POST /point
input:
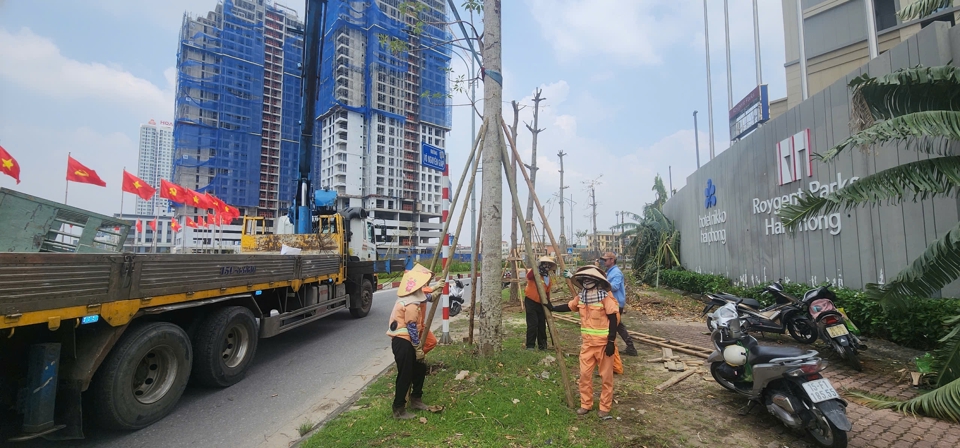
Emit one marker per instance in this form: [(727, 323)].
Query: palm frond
[(936, 267), (947, 357), (926, 132), (924, 179), (904, 91), (922, 8), (943, 402)]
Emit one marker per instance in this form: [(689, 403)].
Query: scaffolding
[(238, 103)]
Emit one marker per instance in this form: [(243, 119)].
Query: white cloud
[(632, 32), (36, 63)]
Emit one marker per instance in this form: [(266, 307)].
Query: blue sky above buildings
[(621, 79)]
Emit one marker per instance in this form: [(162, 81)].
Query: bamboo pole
[(543, 216), (435, 295), (473, 273), (446, 226), (532, 264)]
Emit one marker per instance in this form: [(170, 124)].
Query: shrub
[(919, 325)]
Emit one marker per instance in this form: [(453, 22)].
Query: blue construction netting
[(375, 25), (225, 138)]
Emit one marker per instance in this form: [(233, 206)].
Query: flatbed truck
[(117, 336)]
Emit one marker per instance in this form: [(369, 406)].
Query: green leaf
[(943, 402), (922, 8), (926, 132), (925, 179), (938, 266), (947, 357), (904, 91)]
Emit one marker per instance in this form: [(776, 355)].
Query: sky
[(621, 80)]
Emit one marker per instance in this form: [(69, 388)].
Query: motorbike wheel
[(852, 357), (455, 308), (826, 433), (711, 324), (802, 330), (727, 384)]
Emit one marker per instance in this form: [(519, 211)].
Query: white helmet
[(735, 355)]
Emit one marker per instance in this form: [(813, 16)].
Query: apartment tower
[(155, 163)]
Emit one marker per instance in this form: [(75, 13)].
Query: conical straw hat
[(413, 280), (591, 272)]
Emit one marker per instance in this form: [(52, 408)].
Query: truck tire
[(224, 347), (366, 300), (143, 377)]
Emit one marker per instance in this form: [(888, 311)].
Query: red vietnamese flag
[(153, 225), (175, 225), (212, 221), (198, 200), (173, 192), (76, 172), (200, 222), (136, 185), (139, 226), (190, 223), (215, 202), (9, 165), (229, 212)]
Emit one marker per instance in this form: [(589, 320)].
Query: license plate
[(837, 330), (820, 390)]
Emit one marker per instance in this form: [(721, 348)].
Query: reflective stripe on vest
[(595, 332)]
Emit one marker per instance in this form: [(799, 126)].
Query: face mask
[(588, 284)]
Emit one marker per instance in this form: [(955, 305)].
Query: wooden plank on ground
[(675, 379)]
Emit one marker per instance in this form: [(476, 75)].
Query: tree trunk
[(490, 339), (514, 286)]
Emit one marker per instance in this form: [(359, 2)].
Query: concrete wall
[(850, 248)]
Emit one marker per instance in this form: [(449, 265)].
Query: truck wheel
[(366, 300), (143, 377), (224, 346)]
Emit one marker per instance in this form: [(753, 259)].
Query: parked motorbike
[(456, 297), (833, 326), (785, 316), (786, 380)]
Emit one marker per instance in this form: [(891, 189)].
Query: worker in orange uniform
[(406, 327), (536, 318), (598, 330)]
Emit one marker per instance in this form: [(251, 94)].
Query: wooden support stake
[(541, 289), (676, 379), (473, 272)]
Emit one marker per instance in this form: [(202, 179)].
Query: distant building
[(835, 36), (602, 241), (380, 110), (186, 240), (155, 163), (238, 106)]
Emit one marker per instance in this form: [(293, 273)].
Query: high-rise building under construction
[(383, 96)]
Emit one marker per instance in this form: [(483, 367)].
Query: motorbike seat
[(752, 303), (760, 354)]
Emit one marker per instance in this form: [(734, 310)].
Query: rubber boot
[(400, 413), (417, 403), (631, 350)]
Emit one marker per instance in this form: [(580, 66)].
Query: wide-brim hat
[(590, 272), (547, 259), (413, 280)]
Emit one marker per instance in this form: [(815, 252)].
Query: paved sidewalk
[(871, 428)]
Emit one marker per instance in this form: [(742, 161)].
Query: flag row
[(77, 172), (212, 220)]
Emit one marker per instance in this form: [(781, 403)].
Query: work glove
[(420, 354), (610, 348), (567, 273), (414, 334)]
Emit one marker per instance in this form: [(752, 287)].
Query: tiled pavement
[(871, 428)]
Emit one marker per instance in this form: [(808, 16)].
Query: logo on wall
[(710, 194), (793, 155)]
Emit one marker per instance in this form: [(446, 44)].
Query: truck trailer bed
[(77, 285)]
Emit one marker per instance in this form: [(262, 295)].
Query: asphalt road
[(299, 376)]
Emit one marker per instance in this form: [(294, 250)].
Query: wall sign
[(709, 234), (433, 157)]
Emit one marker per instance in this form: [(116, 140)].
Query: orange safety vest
[(531, 289), (403, 313), (594, 323)]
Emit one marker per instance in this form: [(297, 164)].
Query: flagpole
[(121, 197), (67, 186)]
